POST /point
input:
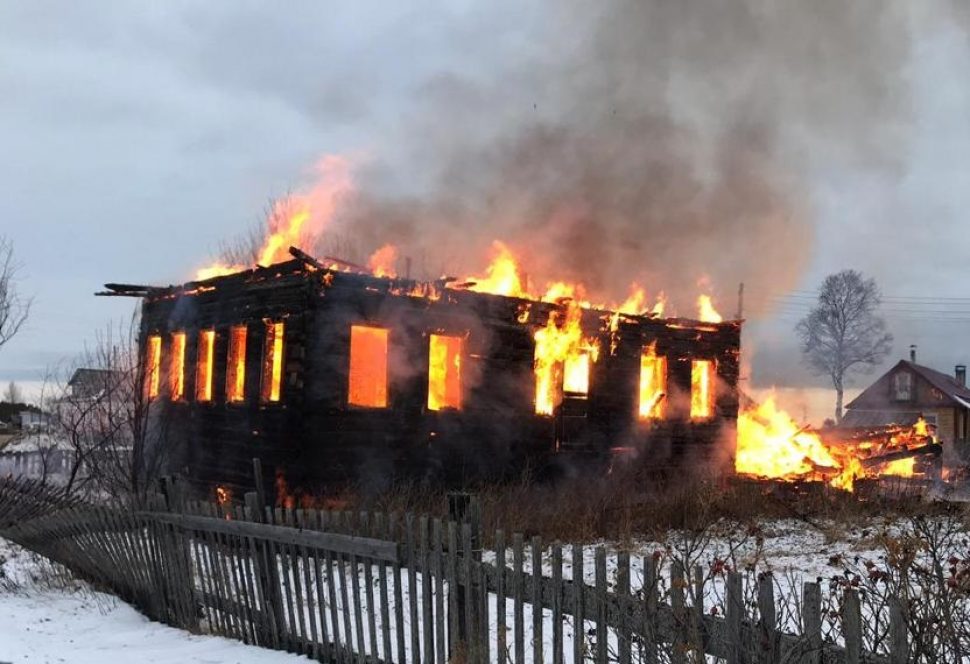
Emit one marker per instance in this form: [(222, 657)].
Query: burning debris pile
[(771, 445)]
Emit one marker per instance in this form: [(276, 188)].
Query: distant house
[(32, 420), (909, 390), (90, 383)]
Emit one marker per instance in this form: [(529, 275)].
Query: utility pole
[(740, 301)]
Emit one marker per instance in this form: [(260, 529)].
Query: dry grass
[(623, 507)]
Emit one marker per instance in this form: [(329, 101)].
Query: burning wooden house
[(332, 376)]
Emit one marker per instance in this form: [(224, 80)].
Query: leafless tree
[(14, 307), (12, 394), (843, 334), (101, 413)]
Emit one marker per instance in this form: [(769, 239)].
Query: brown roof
[(945, 383)]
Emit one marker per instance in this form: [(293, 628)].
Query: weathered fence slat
[(734, 611), (650, 601), (623, 591), (537, 614), (579, 623), (413, 613), (677, 604), (852, 627), (398, 595), (380, 525), (767, 620), (427, 599), (811, 623), (557, 641), (602, 630), (518, 615), (441, 637)]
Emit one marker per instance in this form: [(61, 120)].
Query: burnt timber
[(317, 440)]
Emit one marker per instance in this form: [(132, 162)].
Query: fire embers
[(771, 445)]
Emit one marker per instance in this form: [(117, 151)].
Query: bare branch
[(14, 308), (843, 333)]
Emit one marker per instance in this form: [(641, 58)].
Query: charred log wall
[(317, 439)]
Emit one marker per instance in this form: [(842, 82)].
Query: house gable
[(907, 387)]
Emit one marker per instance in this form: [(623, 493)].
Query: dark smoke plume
[(650, 140)]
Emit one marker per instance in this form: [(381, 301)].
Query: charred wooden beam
[(934, 449)]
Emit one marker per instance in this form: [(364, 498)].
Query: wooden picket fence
[(361, 587)]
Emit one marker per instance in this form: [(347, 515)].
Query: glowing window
[(575, 373), (653, 385), (444, 372), (701, 389), (236, 365), (272, 362), (203, 365), (176, 367), (153, 364), (368, 367)]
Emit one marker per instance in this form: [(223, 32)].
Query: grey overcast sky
[(135, 137)]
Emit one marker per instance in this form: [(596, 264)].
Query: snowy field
[(46, 617)]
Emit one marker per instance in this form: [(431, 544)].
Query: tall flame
[(297, 220), (706, 311), (563, 356), (382, 261), (502, 276)]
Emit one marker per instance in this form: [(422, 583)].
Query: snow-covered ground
[(47, 617)]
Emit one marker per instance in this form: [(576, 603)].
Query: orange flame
[(706, 311), (444, 372), (297, 220), (771, 445), (563, 354), (382, 261), (502, 276), (653, 383), (701, 389)]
